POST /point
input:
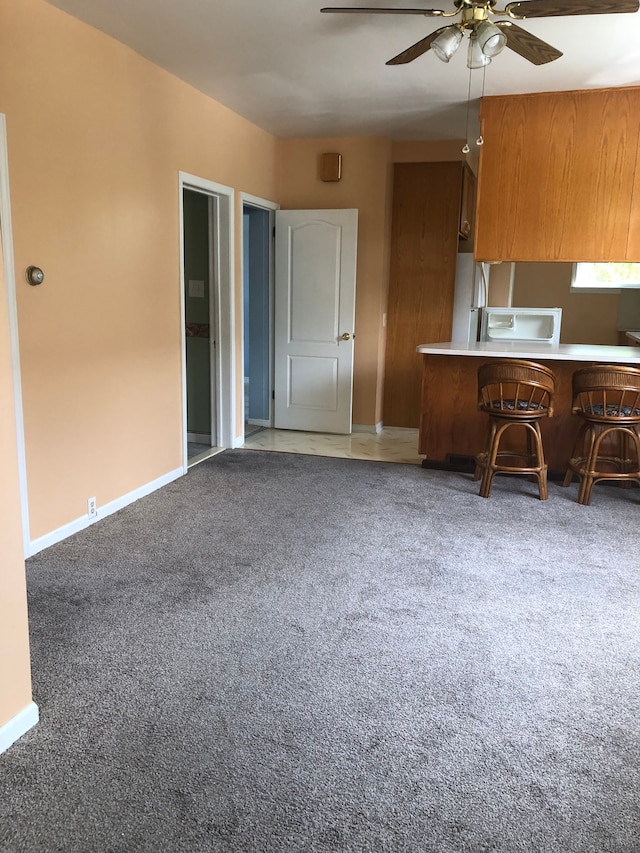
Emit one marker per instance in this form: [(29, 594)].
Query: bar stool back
[(514, 393), (607, 398)]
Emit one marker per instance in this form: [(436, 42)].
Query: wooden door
[(424, 246)]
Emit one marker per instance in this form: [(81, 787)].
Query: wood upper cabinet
[(426, 219), (559, 177)]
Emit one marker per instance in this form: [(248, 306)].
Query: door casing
[(6, 235)]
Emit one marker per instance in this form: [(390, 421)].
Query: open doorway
[(200, 308), (257, 280), (206, 217)]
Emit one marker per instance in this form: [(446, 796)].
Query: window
[(600, 278)]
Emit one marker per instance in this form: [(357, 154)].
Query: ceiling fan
[(486, 38)]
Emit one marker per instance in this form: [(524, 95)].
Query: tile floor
[(390, 445)]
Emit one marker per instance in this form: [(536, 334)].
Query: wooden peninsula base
[(452, 429)]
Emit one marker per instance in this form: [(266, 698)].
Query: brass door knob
[(345, 336)]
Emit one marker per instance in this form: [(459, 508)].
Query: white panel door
[(315, 294)]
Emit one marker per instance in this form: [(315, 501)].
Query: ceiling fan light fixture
[(490, 38), (446, 44), (475, 56)]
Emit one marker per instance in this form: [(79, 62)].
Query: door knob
[(345, 336)]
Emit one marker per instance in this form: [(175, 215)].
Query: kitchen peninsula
[(451, 426)]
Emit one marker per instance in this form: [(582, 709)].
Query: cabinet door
[(424, 246), (557, 178)]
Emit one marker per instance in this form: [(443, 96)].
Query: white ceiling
[(295, 72)]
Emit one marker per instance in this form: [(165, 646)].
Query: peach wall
[(15, 677), (365, 184), (96, 137), (587, 318)]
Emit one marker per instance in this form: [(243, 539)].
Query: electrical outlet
[(92, 509)]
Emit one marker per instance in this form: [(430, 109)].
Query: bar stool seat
[(607, 447), (514, 393)]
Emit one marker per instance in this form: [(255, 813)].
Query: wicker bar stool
[(514, 393), (607, 398)]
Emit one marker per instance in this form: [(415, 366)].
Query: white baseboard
[(259, 422), (67, 530), (18, 725), (199, 437), (374, 429)]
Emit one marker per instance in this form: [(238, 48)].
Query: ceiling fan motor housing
[(473, 14)]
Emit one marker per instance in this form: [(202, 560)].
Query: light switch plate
[(196, 289)]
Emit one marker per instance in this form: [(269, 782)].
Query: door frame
[(222, 290), (271, 207), (6, 235), (213, 219)]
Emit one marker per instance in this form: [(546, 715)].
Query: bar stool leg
[(577, 453), (490, 462), (626, 462), (532, 456), (588, 473), (483, 456), (543, 488)]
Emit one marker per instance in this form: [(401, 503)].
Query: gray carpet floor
[(293, 653)]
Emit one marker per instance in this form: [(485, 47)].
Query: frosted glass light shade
[(446, 44), (490, 38), (475, 57)]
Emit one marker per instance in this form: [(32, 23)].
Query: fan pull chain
[(480, 139), (465, 147)]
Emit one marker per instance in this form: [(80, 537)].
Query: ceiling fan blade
[(527, 45), (559, 8), (378, 11), (415, 50)]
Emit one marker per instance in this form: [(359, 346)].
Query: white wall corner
[(18, 725)]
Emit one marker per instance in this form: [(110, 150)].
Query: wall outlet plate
[(92, 508)]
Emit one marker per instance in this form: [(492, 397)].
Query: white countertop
[(533, 351)]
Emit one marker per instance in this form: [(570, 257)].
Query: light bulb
[(446, 44), (480, 140), (490, 38), (475, 57), (465, 148)]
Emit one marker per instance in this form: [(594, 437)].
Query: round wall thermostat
[(35, 275)]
